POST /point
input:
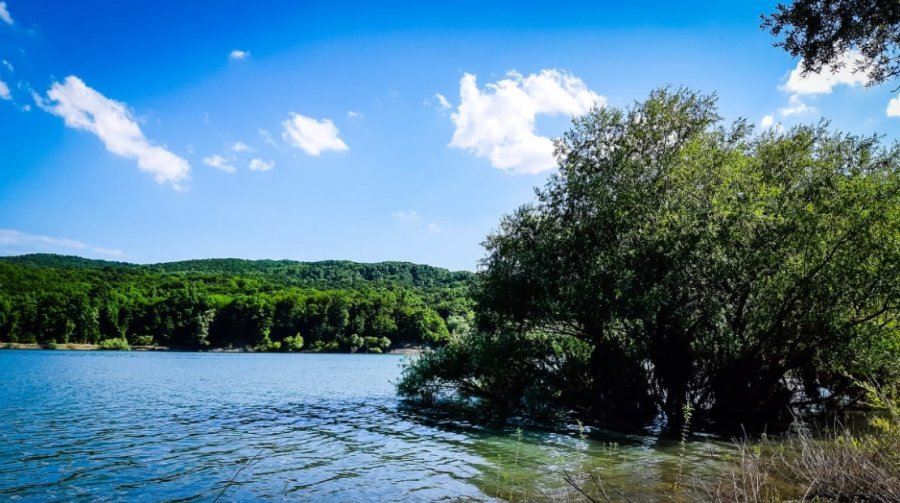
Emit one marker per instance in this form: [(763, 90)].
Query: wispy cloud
[(406, 216), (261, 165), (4, 14), (220, 163), (238, 54), (442, 101), (353, 114), (411, 217), (267, 137), (240, 146), (84, 108), (310, 135), (4, 91), (498, 123), (33, 242)]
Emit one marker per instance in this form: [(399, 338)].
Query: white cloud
[(310, 135), (796, 106), (84, 108), (238, 54), (261, 165), (824, 81), (4, 13), (353, 114), (442, 101), (240, 146), (499, 123), (433, 227), (407, 216), (11, 237), (219, 163), (893, 108), (768, 122), (8, 65), (267, 137), (4, 91)]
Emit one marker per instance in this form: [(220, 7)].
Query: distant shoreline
[(406, 351), (80, 347)]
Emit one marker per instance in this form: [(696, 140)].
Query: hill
[(323, 274), (263, 304)]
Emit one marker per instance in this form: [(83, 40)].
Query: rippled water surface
[(106, 426)]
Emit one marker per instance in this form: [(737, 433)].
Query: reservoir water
[(157, 426)]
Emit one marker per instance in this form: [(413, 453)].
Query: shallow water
[(108, 426)]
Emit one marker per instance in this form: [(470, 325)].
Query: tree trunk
[(619, 388)]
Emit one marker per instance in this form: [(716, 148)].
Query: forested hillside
[(271, 305)]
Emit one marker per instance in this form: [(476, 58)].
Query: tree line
[(48, 299)]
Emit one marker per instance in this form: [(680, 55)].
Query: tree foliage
[(228, 303), (704, 265), (821, 32)]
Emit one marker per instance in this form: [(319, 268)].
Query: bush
[(325, 347), (292, 343), (143, 340), (117, 344), (376, 344), (535, 372), (51, 344)]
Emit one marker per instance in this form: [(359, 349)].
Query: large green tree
[(705, 265)]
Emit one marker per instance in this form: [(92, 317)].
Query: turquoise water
[(141, 426)]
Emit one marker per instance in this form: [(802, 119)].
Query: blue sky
[(161, 131)]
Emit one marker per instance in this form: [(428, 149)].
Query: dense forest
[(230, 303)]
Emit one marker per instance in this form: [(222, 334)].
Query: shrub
[(117, 344), (325, 347), (376, 344), (292, 343), (143, 340), (534, 372)]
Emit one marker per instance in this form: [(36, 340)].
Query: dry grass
[(837, 464), (802, 466)]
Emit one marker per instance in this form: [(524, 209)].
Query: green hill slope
[(332, 305)]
